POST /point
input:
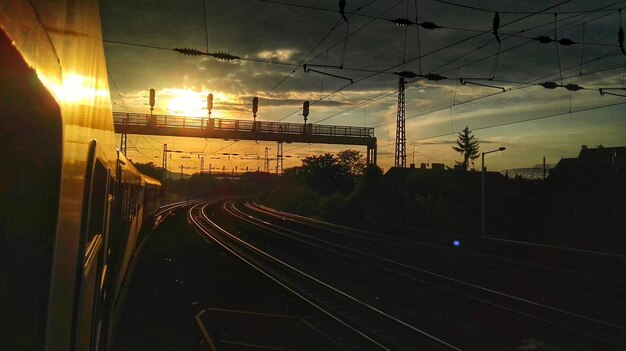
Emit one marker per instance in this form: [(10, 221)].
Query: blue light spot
[(456, 243)]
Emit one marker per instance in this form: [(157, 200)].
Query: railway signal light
[(152, 99), (209, 103), (305, 110), (255, 106)]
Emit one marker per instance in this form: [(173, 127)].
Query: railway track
[(376, 329), (513, 265), (606, 334)]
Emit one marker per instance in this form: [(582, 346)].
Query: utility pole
[(123, 138), (400, 155), (483, 170), (164, 165), (267, 160), (279, 158), (201, 157)]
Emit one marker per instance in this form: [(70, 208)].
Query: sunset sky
[(275, 36)]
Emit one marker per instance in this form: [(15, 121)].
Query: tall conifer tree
[(467, 146)]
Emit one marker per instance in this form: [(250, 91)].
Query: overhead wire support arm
[(307, 70), (465, 81), (603, 91), (307, 65)]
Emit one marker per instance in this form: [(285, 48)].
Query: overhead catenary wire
[(206, 26), (332, 46), (194, 52), (522, 85), (508, 12), (530, 40), (118, 91), (358, 105), (335, 26), (516, 122), (558, 58), (419, 54), (428, 54)]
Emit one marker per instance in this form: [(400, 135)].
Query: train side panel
[(55, 103)]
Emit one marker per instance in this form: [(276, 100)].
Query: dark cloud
[(375, 49)]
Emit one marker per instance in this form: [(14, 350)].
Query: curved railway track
[(587, 331), (378, 329), (566, 276)]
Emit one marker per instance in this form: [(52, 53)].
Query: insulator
[(549, 85), (573, 87), (189, 52), (543, 39), (342, 10), (225, 56), (620, 39), (404, 22), (429, 25), (566, 41), (433, 76), (406, 74), (496, 26)]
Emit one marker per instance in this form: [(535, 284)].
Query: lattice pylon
[(279, 158), (400, 155), (164, 165)]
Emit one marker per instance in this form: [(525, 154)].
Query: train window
[(98, 201)]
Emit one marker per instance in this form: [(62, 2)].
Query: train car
[(71, 206)]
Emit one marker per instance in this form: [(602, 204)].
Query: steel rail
[(372, 257), (308, 299), (417, 244)]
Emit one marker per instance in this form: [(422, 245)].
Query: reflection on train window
[(98, 200)]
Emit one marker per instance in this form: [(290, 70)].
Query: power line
[(426, 54), (513, 12), (193, 52), (322, 40), (522, 85), (532, 119), (118, 91), (490, 41), (360, 104), (206, 26), (516, 122), (136, 149)]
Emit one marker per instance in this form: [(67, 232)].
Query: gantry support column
[(372, 151), (400, 155)]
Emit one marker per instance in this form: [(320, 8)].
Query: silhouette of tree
[(328, 173), (353, 161), (151, 170), (467, 146)]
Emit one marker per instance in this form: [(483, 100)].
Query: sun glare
[(182, 102), (187, 103)]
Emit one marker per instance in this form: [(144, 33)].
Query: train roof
[(149, 181)]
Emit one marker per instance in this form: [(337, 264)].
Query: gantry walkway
[(146, 124)]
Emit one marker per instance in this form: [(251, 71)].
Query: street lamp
[(482, 188)]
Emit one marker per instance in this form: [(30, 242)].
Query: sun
[(187, 103), (184, 102)]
